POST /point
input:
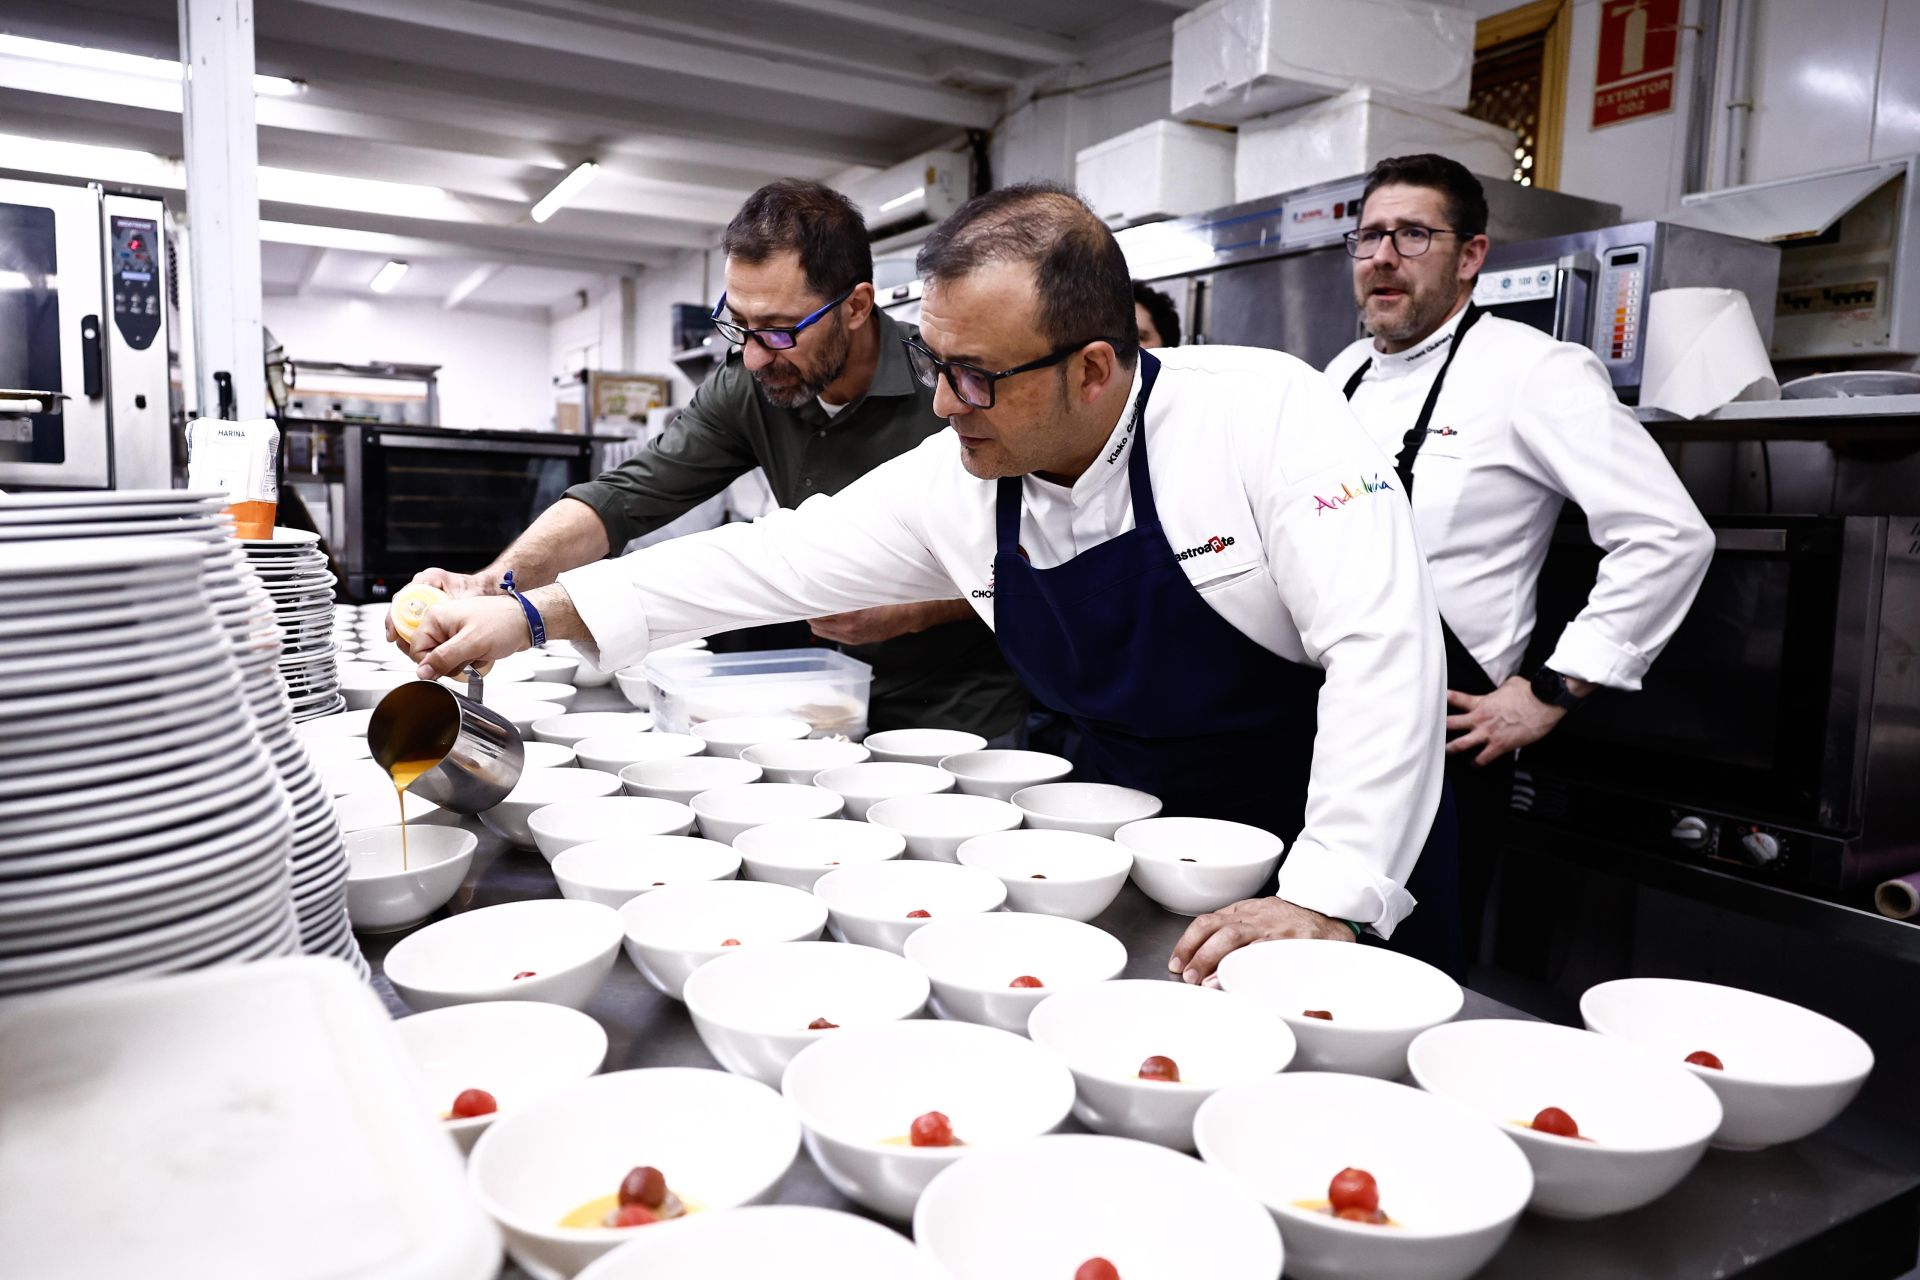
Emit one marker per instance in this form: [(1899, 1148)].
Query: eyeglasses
[(777, 338), (1408, 242), (973, 384)]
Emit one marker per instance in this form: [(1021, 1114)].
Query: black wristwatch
[(1551, 688)]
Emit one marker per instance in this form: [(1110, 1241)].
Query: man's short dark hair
[(1466, 198), (1160, 310), (1085, 290), (815, 221)]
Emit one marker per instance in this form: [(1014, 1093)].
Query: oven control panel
[(135, 275), (1622, 307)]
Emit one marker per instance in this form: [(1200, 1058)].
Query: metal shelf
[(1865, 418)]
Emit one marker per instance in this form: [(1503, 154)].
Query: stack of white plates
[(245, 613), (143, 828), (293, 570)]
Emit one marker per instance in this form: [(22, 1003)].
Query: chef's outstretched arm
[(1341, 551), (831, 555)]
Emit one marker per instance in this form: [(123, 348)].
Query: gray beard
[(809, 389)]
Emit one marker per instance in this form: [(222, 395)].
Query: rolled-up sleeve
[(856, 549), (702, 451), (1341, 551), (1587, 445)]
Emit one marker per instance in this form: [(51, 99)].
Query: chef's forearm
[(567, 535), (557, 614)]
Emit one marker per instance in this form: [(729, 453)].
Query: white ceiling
[(687, 104)]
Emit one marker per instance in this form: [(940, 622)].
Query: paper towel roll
[(1703, 351)]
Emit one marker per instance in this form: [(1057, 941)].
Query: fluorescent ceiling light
[(98, 164), (133, 64), (388, 276), (908, 198), (567, 188), (14, 281), (367, 195)]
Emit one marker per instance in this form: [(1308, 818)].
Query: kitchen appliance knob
[(1691, 831), (1761, 848)]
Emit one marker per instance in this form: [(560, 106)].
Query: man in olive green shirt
[(817, 392)]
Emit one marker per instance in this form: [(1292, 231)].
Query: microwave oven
[(87, 296)]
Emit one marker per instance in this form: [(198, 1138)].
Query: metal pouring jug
[(480, 752)]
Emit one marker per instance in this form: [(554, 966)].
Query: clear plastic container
[(824, 687)]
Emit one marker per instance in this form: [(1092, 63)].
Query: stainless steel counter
[(1814, 1209)]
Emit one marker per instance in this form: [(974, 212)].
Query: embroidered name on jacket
[(1208, 547), (1333, 502)]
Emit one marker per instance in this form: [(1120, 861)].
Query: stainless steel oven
[(85, 393), (1779, 733)]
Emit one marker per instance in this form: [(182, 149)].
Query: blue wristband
[(536, 628)]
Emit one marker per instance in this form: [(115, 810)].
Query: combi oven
[(1778, 735), (85, 296)]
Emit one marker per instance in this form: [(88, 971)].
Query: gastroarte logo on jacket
[(1217, 543), (1335, 501)]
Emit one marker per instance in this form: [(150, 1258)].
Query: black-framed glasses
[(970, 382), (1408, 242), (777, 337)]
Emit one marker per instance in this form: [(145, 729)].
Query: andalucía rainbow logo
[(1347, 494)]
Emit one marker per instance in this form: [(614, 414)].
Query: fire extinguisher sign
[(1639, 53)]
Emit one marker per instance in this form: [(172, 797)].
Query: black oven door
[(433, 498), (1747, 712)]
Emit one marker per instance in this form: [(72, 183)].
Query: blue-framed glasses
[(777, 338)]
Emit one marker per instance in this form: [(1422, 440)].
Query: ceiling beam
[(309, 269), (914, 19), (913, 101), (308, 232), (473, 280)]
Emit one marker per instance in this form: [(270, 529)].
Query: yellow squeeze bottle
[(409, 609)]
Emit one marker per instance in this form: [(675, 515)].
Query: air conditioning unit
[(924, 189)]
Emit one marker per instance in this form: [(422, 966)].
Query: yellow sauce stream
[(404, 773)]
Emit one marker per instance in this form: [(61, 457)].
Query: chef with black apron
[(1200, 559), (1493, 425)]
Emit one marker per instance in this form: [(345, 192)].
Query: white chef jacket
[(1524, 422), (1284, 515)]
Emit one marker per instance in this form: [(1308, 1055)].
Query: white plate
[(147, 772), (29, 725), (205, 820), (132, 811), (165, 657), (102, 652), (150, 911)]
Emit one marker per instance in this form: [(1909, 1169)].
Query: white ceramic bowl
[(683, 778), (547, 755), (726, 812), (1106, 1031), (800, 851), (634, 686), (865, 785), (563, 695), (1000, 773), (1380, 1000), (612, 752), (1055, 873), (341, 724), (974, 959), (586, 676), (365, 809), (721, 1140), (1452, 1182), (1056, 1202), (752, 1005), (731, 735), (937, 825), (1195, 865), (558, 827), (541, 665), (517, 1050), (616, 871), (571, 728), (363, 692), (1787, 1071), (1643, 1123), (537, 789), (525, 716), (567, 948), (1096, 808), (799, 760), (791, 1241), (859, 1089), (383, 896), (344, 777), (336, 750), (673, 931), (921, 746), (870, 903)]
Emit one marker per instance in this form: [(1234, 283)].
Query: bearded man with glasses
[(817, 392)]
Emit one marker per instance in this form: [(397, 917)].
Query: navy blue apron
[(1167, 695)]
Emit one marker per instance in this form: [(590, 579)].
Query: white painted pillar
[(223, 199)]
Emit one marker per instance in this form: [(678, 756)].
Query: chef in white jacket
[(1492, 426), (1201, 559)]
